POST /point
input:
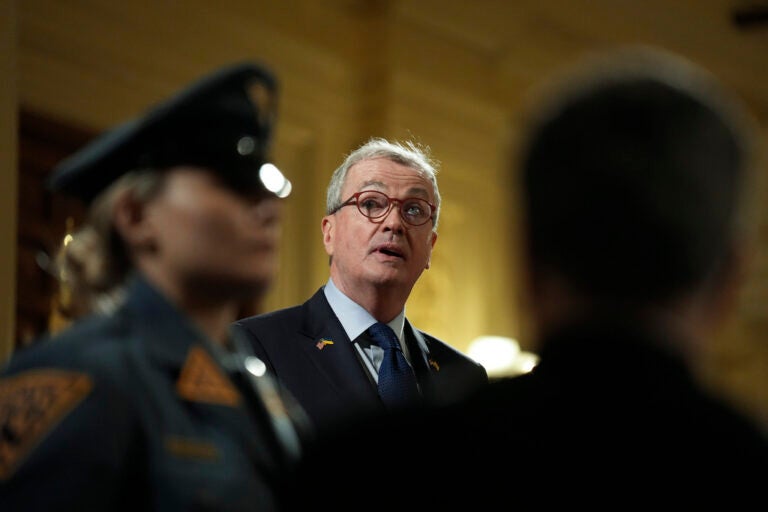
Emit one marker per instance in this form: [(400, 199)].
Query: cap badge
[(246, 145)]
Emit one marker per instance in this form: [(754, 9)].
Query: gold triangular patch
[(31, 405), (202, 380)]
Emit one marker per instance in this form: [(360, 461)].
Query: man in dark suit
[(633, 178), (383, 206)]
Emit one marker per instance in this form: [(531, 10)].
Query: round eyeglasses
[(376, 205)]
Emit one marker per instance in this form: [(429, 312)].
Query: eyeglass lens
[(374, 204)]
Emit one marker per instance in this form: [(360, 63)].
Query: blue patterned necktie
[(397, 382)]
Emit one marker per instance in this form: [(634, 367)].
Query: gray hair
[(408, 153)]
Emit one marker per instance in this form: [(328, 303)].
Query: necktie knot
[(384, 336), (397, 382)]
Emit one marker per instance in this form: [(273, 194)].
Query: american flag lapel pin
[(322, 343)]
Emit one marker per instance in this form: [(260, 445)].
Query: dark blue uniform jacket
[(130, 411)]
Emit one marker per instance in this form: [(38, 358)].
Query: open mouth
[(390, 251)]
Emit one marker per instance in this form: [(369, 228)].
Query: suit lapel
[(427, 363), (330, 351), (423, 363)]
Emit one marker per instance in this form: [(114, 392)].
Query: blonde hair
[(92, 264)]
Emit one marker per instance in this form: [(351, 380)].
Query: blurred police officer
[(150, 403)]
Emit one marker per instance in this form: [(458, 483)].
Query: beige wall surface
[(452, 74)]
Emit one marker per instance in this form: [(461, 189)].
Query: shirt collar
[(353, 317)]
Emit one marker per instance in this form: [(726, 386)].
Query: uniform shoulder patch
[(202, 380), (31, 405)]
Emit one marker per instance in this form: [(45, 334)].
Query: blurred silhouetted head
[(632, 178)]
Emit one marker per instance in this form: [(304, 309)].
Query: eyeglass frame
[(354, 199)]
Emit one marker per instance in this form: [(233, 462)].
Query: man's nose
[(394, 217)]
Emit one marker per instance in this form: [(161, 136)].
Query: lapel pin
[(322, 343), (434, 364)]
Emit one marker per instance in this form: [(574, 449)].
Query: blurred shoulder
[(95, 341), (279, 316), (288, 318)]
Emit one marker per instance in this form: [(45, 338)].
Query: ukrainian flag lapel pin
[(322, 343)]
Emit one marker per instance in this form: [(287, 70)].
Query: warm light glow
[(501, 356), (274, 180), (524, 362)]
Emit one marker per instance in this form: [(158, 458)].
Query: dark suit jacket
[(329, 380), (609, 419)]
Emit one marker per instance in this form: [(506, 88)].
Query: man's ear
[(431, 246), (131, 221), (729, 282), (327, 226)]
